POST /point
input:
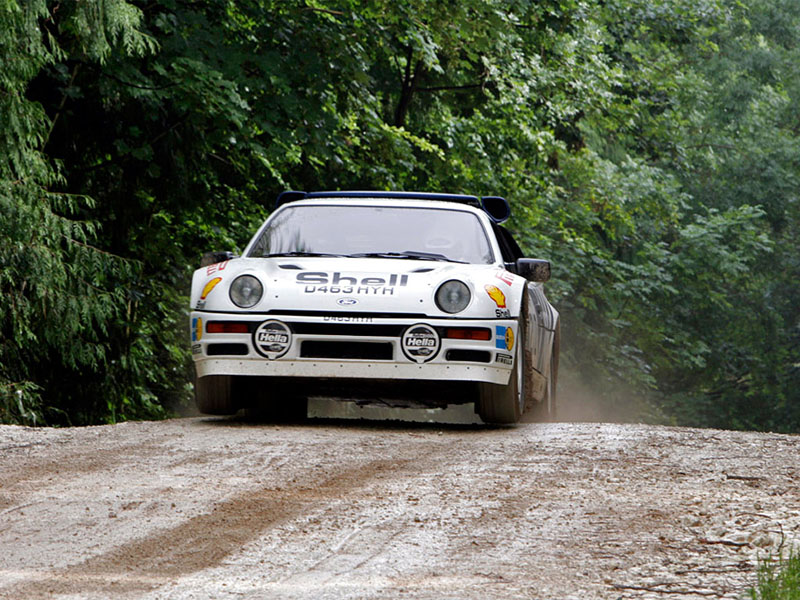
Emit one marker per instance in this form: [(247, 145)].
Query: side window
[(508, 245)]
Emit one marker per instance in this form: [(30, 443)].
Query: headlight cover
[(453, 296), (246, 291)]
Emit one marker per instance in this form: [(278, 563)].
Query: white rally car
[(401, 298)]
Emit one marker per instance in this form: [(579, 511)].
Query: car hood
[(369, 285)]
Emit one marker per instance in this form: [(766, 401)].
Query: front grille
[(227, 349), (479, 356), (347, 350)]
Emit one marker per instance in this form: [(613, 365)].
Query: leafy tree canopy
[(649, 149)]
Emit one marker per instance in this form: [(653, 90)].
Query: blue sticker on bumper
[(500, 340)]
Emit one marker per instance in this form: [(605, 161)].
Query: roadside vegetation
[(649, 149), (779, 581)]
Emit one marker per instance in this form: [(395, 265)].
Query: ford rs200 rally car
[(394, 297)]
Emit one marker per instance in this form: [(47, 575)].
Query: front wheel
[(505, 404)]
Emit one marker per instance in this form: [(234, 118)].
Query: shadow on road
[(327, 412)]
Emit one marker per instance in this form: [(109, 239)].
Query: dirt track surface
[(224, 508)]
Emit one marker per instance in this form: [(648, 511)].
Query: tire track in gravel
[(205, 540), (16, 488), (73, 462)]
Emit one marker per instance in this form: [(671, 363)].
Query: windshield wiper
[(312, 254), (411, 254)]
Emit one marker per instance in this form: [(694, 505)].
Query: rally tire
[(504, 404), (213, 395)]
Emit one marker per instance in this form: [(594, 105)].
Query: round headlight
[(246, 291), (452, 296)]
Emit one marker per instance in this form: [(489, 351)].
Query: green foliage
[(649, 149), (778, 581), (58, 289), (698, 241)]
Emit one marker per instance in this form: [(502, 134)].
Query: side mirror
[(533, 269), (212, 258)]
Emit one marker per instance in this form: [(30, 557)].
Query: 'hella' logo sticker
[(420, 343), (272, 339), (347, 302)]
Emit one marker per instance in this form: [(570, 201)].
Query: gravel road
[(226, 508)]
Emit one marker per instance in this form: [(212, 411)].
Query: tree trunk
[(409, 86)]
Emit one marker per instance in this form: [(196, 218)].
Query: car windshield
[(376, 231)]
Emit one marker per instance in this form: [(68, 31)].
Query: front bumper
[(352, 346)]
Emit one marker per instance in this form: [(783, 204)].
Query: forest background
[(649, 149)]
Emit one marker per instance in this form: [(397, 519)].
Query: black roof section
[(291, 196), (496, 207)]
